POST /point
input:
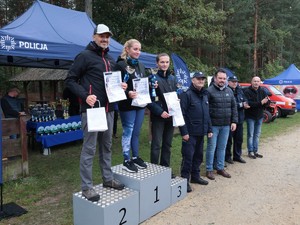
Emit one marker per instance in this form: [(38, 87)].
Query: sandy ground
[(263, 191)]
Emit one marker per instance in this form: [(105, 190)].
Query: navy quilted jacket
[(222, 106)]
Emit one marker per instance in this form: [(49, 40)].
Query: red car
[(286, 106)]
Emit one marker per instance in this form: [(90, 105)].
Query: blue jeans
[(131, 122), (217, 143), (253, 134)]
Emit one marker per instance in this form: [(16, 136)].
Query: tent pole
[(41, 90), (1, 196)]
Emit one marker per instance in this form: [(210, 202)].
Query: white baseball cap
[(101, 29)]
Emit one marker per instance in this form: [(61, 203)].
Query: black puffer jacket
[(86, 73), (139, 72), (254, 100), (222, 106), (195, 110)]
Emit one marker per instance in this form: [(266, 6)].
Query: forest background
[(250, 37)]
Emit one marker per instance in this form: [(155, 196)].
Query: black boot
[(188, 189)]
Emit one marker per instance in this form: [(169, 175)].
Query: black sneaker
[(188, 188), (129, 167), (230, 161), (241, 160), (114, 183), (258, 155), (251, 155), (199, 181), (139, 163), (91, 195)]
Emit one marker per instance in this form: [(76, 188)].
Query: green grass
[(47, 192)]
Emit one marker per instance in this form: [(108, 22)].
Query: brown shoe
[(223, 173), (114, 183), (210, 175)]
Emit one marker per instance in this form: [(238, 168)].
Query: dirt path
[(262, 191)]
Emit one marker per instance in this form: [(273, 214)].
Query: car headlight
[(289, 103)]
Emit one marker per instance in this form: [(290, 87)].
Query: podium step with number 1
[(153, 185)]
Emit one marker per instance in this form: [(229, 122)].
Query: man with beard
[(86, 80), (223, 113)]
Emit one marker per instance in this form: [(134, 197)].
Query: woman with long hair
[(131, 116)]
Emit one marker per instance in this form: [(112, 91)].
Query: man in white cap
[(86, 80)]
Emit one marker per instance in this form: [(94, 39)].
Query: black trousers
[(235, 139), (116, 116), (162, 135), (192, 157)]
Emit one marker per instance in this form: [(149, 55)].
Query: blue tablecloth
[(55, 139)]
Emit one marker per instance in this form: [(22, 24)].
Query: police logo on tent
[(8, 43)]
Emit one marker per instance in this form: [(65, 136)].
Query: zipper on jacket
[(107, 68)]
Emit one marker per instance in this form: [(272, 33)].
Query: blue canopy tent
[(49, 36), (288, 82)]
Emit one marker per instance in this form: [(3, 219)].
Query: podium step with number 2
[(114, 207), (147, 192)]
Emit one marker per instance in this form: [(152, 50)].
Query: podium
[(114, 207), (153, 184), (178, 189), (147, 192)]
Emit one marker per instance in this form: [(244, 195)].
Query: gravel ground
[(262, 191)]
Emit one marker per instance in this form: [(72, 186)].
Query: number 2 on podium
[(124, 214)]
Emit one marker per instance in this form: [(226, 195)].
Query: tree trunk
[(255, 39), (89, 8)]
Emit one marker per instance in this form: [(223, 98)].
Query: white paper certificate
[(113, 86), (174, 108), (141, 86)]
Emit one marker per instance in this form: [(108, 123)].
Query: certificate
[(113, 86), (174, 108), (141, 86)]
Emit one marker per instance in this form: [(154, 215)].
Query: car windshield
[(275, 90)]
